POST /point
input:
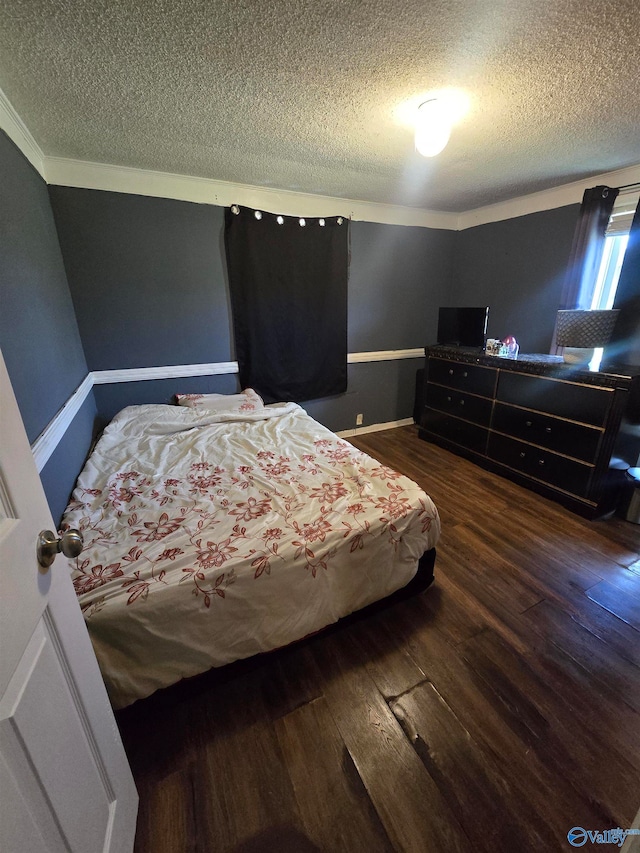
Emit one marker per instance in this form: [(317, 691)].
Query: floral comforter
[(212, 537)]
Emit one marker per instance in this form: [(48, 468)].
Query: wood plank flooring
[(493, 712)]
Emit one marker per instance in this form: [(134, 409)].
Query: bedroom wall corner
[(38, 330)]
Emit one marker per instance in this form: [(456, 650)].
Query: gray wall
[(38, 330), (517, 268), (146, 278), (144, 284), (399, 276), (148, 282)]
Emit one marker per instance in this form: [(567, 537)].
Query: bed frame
[(175, 693)]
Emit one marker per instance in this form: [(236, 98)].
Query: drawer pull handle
[(529, 423), (540, 461), (465, 374), (522, 454), (462, 402), (448, 399), (451, 372), (547, 429)]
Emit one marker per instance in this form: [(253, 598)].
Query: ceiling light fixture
[(433, 127)]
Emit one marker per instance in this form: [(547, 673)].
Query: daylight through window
[(615, 245)]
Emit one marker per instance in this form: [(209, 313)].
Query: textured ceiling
[(308, 96)]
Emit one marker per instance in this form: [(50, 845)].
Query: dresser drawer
[(459, 403), (544, 465), (581, 442), (464, 377), (584, 403), (453, 429)]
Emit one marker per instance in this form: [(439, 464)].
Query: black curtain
[(588, 244), (288, 284)]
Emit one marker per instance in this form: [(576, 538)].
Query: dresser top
[(614, 376)]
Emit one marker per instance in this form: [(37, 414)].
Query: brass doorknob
[(48, 545)]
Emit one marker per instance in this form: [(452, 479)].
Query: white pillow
[(247, 401)]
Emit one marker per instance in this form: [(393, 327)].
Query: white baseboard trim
[(350, 433), (50, 437)]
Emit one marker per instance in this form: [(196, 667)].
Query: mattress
[(211, 536)]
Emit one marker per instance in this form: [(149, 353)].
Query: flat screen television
[(463, 327)]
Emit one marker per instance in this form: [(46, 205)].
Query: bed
[(218, 529)]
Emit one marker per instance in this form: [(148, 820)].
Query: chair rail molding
[(50, 437)]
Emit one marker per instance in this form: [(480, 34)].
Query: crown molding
[(111, 178), (546, 199), (102, 176), (19, 134), (122, 179)]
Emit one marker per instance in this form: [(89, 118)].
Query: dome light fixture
[(433, 127)]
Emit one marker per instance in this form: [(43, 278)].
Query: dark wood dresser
[(563, 431)]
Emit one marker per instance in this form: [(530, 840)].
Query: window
[(607, 279), (615, 245)]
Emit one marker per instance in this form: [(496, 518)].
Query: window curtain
[(288, 286), (624, 347), (588, 244)]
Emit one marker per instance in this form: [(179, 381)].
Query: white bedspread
[(210, 538)]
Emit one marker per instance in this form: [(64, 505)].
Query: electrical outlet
[(359, 420)]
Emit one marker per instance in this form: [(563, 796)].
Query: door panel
[(21, 832), (65, 777)]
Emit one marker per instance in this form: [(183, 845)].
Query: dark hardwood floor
[(493, 712)]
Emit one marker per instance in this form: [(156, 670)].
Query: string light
[(235, 209)]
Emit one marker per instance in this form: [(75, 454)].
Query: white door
[(65, 783)]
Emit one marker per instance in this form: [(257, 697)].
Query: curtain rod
[(630, 187)]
